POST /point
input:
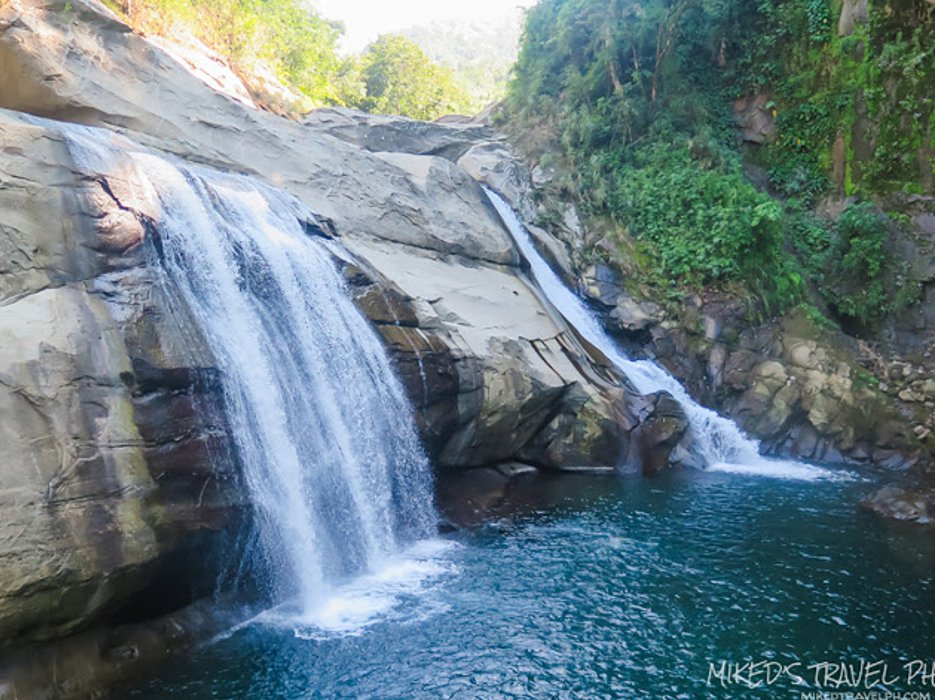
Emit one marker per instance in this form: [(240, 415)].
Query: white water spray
[(722, 443), (324, 432)]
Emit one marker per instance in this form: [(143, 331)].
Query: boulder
[(109, 416), (632, 315), (755, 119), (853, 12), (663, 432), (120, 463)]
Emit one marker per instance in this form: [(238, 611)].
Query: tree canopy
[(638, 94), (398, 78), (393, 75)]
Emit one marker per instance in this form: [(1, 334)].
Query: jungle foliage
[(638, 96), (392, 75), (398, 78)]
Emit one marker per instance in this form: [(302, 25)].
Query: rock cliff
[(118, 472), (118, 475)]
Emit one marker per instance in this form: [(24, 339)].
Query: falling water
[(324, 432), (722, 443)]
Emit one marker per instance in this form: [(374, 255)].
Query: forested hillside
[(635, 105), (480, 54), (289, 39)]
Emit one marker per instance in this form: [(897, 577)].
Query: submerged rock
[(897, 503)]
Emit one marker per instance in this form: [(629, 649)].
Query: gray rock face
[(108, 414), (755, 121), (853, 12), (55, 51), (387, 134), (117, 457), (489, 369)]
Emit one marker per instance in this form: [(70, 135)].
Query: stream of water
[(337, 477), (576, 587), (723, 445)]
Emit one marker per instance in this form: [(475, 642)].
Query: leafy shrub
[(704, 222), (819, 20), (400, 79), (812, 240), (849, 262), (860, 264), (795, 168)]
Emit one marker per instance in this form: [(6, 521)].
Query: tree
[(400, 79), (287, 36)]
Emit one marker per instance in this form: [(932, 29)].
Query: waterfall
[(723, 445), (324, 431)]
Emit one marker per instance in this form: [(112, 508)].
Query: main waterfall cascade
[(722, 443), (339, 481), (340, 485)]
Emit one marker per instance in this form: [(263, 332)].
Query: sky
[(366, 19)]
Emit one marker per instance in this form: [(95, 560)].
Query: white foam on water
[(330, 456), (782, 469), (402, 589), (723, 444)]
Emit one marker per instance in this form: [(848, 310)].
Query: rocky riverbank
[(118, 468)]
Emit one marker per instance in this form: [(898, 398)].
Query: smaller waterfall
[(339, 481), (722, 443)]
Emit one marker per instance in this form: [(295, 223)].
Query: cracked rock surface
[(117, 469)]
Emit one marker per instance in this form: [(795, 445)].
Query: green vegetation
[(400, 79), (637, 95), (479, 54), (860, 262), (295, 42), (868, 88), (848, 262), (392, 76), (706, 223), (633, 94)]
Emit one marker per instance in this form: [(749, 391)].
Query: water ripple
[(611, 590)]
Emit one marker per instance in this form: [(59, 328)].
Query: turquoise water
[(591, 587)]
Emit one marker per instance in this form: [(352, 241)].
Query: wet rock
[(602, 284), (754, 119), (554, 253), (662, 430), (88, 663), (387, 307), (898, 503), (631, 315)]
